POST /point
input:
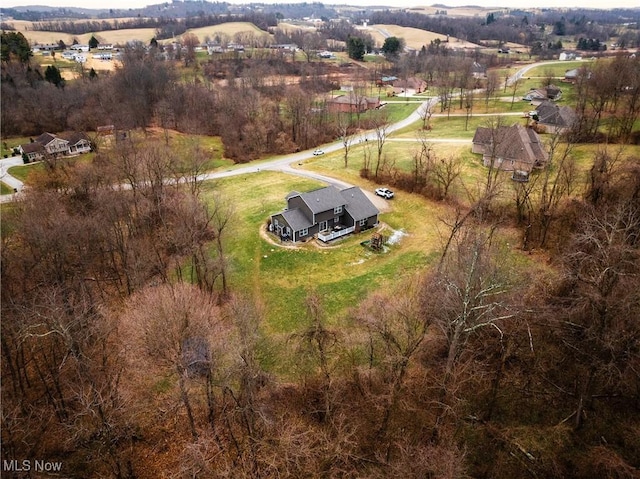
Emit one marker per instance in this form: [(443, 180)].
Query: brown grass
[(229, 29), (415, 37)]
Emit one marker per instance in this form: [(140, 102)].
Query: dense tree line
[(145, 92)]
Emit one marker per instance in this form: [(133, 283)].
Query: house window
[(337, 210), (324, 225), (362, 222), (304, 232)]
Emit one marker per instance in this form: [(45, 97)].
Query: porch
[(337, 231)]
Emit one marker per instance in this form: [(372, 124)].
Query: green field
[(280, 276), (5, 189)]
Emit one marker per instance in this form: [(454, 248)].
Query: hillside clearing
[(416, 38)]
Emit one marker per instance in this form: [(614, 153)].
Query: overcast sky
[(124, 4)]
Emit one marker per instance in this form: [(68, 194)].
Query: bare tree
[(317, 345), (175, 329), (426, 112), (396, 326), (380, 126), (344, 125), (446, 171), (493, 82), (471, 298)]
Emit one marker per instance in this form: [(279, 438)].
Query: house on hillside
[(53, 145), (352, 103), (550, 92), (327, 212), (32, 151), (510, 148), (478, 70), (555, 118), (411, 83), (78, 143), (79, 47)]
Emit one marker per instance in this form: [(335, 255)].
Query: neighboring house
[(32, 151), (80, 48), (214, 48), (550, 92), (326, 212), (292, 47), (571, 75), (386, 80), (53, 145), (478, 70), (38, 47), (78, 143), (326, 54), (565, 56), (510, 148), (555, 119), (352, 103), (413, 83)]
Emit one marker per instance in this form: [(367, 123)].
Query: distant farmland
[(144, 35), (414, 37)]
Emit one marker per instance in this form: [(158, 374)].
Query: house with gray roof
[(554, 118), (53, 144), (511, 148), (72, 143), (327, 213), (550, 92)]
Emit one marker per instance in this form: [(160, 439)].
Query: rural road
[(284, 163)]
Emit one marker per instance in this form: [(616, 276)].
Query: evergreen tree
[(392, 46), (14, 45), (52, 75), (355, 48), (93, 42)]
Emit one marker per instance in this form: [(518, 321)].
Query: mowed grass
[(5, 189), (281, 277), (22, 172)]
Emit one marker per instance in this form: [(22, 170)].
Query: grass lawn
[(557, 69), (5, 189), (281, 277), (22, 171), (7, 145)]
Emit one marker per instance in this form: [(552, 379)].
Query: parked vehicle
[(384, 192), (318, 152)]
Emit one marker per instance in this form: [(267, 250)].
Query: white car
[(318, 152), (384, 192)]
